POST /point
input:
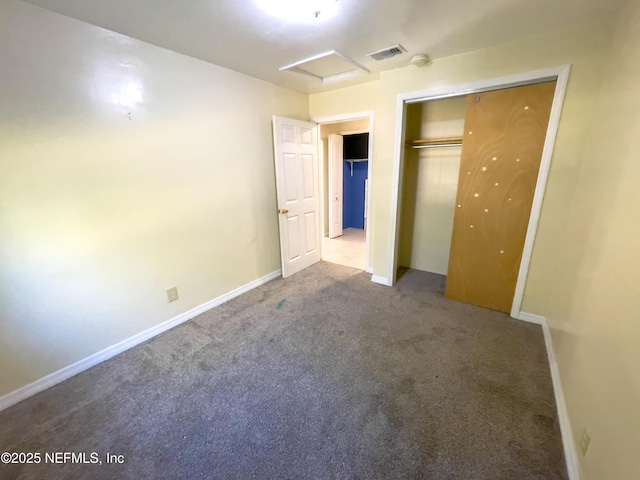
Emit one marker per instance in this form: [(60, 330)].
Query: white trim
[(321, 183), (541, 185), (524, 78), (570, 452), (381, 280), (343, 118), (355, 132), (367, 226), (297, 68), (518, 82), (529, 317), (67, 372), (398, 168), (561, 74)]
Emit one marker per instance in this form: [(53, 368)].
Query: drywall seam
[(67, 372)]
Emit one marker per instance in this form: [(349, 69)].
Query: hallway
[(348, 250)]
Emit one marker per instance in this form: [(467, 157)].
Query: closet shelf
[(436, 142), (354, 160)]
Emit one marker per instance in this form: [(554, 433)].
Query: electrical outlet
[(585, 440), (172, 294)]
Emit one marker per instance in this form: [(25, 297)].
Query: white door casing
[(297, 187), (336, 143), (366, 204)]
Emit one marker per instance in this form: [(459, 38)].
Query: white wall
[(430, 186), (593, 306), (125, 169)]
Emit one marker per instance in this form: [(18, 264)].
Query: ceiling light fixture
[(299, 11)]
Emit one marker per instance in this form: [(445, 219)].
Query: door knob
[(284, 211)]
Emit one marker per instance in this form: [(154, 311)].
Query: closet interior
[(470, 173), (430, 182)]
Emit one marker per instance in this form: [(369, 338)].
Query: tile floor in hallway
[(349, 249)]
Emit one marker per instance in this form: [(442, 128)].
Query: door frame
[(561, 75), (367, 114)]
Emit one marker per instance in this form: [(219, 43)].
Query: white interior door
[(335, 185), (296, 158)]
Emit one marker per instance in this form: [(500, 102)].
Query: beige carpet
[(323, 375)]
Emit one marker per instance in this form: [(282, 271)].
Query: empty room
[(324, 239)]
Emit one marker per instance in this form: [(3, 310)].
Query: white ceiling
[(238, 35)]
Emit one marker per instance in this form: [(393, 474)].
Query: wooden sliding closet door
[(502, 147)]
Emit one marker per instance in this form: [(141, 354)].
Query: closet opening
[(430, 183), (470, 170)]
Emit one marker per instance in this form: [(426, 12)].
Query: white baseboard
[(67, 372), (369, 270), (381, 280), (531, 318), (570, 452)]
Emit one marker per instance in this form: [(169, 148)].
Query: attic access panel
[(327, 67)]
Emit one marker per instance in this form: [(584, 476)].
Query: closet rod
[(438, 145), (436, 142)]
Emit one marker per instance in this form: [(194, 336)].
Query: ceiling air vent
[(388, 52)]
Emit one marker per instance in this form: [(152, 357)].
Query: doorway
[(345, 156), (401, 159)]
